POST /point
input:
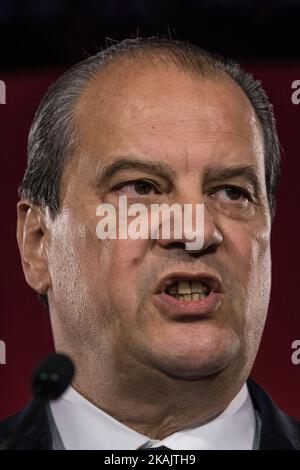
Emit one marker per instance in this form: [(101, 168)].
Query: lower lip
[(194, 308)]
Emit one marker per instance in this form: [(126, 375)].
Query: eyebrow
[(248, 172), (161, 169), (164, 170)]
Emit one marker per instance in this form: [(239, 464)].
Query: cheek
[(126, 266), (258, 289), (260, 271), (248, 248), (76, 259), (250, 260), (79, 266), (79, 258)]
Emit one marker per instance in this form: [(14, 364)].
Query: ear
[(33, 240)]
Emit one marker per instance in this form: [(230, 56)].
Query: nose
[(202, 228)]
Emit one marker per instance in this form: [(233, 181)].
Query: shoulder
[(278, 431), (7, 425)]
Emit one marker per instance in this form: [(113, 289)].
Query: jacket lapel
[(278, 430)]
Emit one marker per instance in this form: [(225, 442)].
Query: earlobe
[(33, 241)]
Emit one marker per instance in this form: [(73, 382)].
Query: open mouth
[(188, 290), (183, 295)]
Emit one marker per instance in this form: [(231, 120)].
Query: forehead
[(157, 111)]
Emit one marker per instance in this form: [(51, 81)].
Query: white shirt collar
[(81, 425)]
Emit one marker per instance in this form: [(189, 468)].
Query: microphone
[(51, 378)]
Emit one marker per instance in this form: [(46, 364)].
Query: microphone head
[(52, 376)]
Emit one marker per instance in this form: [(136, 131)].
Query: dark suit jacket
[(278, 430)]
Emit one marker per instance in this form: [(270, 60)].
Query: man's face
[(106, 300)]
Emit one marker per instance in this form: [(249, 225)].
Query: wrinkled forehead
[(156, 107)]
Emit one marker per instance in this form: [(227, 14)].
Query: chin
[(185, 370), (198, 357)]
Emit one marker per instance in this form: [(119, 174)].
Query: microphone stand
[(50, 380), (29, 418)]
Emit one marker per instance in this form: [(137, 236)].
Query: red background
[(25, 327)]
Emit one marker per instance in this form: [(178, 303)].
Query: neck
[(153, 403)]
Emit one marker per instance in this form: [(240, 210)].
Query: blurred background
[(39, 39)]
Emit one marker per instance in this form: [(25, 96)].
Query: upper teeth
[(188, 287)]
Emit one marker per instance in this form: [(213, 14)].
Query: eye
[(233, 193), (138, 187)]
